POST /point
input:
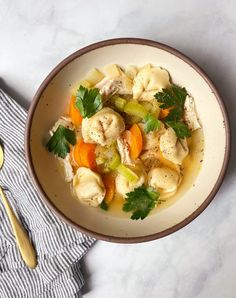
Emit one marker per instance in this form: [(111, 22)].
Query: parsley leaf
[(174, 98), (104, 205), (151, 123), (140, 201), (59, 142), (180, 128), (88, 101)]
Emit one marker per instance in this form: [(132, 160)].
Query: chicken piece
[(190, 115), (172, 148), (120, 85), (103, 128), (163, 179), (64, 121), (150, 159), (123, 148), (123, 186), (88, 187), (150, 78), (66, 168)]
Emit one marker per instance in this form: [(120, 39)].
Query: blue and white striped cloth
[(58, 246)]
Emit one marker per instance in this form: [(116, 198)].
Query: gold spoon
[(22, 239)]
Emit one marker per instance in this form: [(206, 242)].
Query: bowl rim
[(57, 69)]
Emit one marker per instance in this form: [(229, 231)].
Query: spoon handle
[(22, 239)]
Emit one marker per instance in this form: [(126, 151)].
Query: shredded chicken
[(66, 167), (123, 149), (64, 121), (190, 115), (120, 85)]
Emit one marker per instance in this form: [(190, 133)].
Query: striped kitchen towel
[(58, 246)]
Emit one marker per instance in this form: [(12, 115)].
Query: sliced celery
[(130, 120), (108, 159), (119, 103), (127, 173), (115, 162), (135, 109)]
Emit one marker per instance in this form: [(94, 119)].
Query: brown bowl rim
[(90, 48)]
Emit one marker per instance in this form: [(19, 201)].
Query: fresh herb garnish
[(180, 129), (140, 201), (88, 101), (151, 123), (104, 205), (59, 142), (174, 98)]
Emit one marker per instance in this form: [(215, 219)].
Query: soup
[(131, 142)]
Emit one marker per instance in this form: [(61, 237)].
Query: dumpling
[(163, 179), (159, 79), (151, 139), (103, 128), (150, 78), (123, 186), (190, 115), (131, 71), (172, 148), (148, 96), (88, 187)]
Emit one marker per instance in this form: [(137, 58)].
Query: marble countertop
[(197, 261)]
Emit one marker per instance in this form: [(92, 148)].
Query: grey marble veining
[(199, 260)]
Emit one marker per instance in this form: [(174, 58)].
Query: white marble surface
[(198, 261)]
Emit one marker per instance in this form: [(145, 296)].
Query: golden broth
[(190, 169)]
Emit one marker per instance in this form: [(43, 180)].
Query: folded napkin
[(59, 247)]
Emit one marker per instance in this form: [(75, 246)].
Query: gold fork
[(22, 239)]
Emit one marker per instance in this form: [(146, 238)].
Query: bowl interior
[(52, 104)]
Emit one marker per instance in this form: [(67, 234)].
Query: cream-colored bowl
[(50, 103)]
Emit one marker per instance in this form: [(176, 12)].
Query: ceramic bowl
[(50, 102)]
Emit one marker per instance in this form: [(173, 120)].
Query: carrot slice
[(109, 183), (76, 153), (74, 113), (84, 155), (136, 141), (164, 113), (88, 156)]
